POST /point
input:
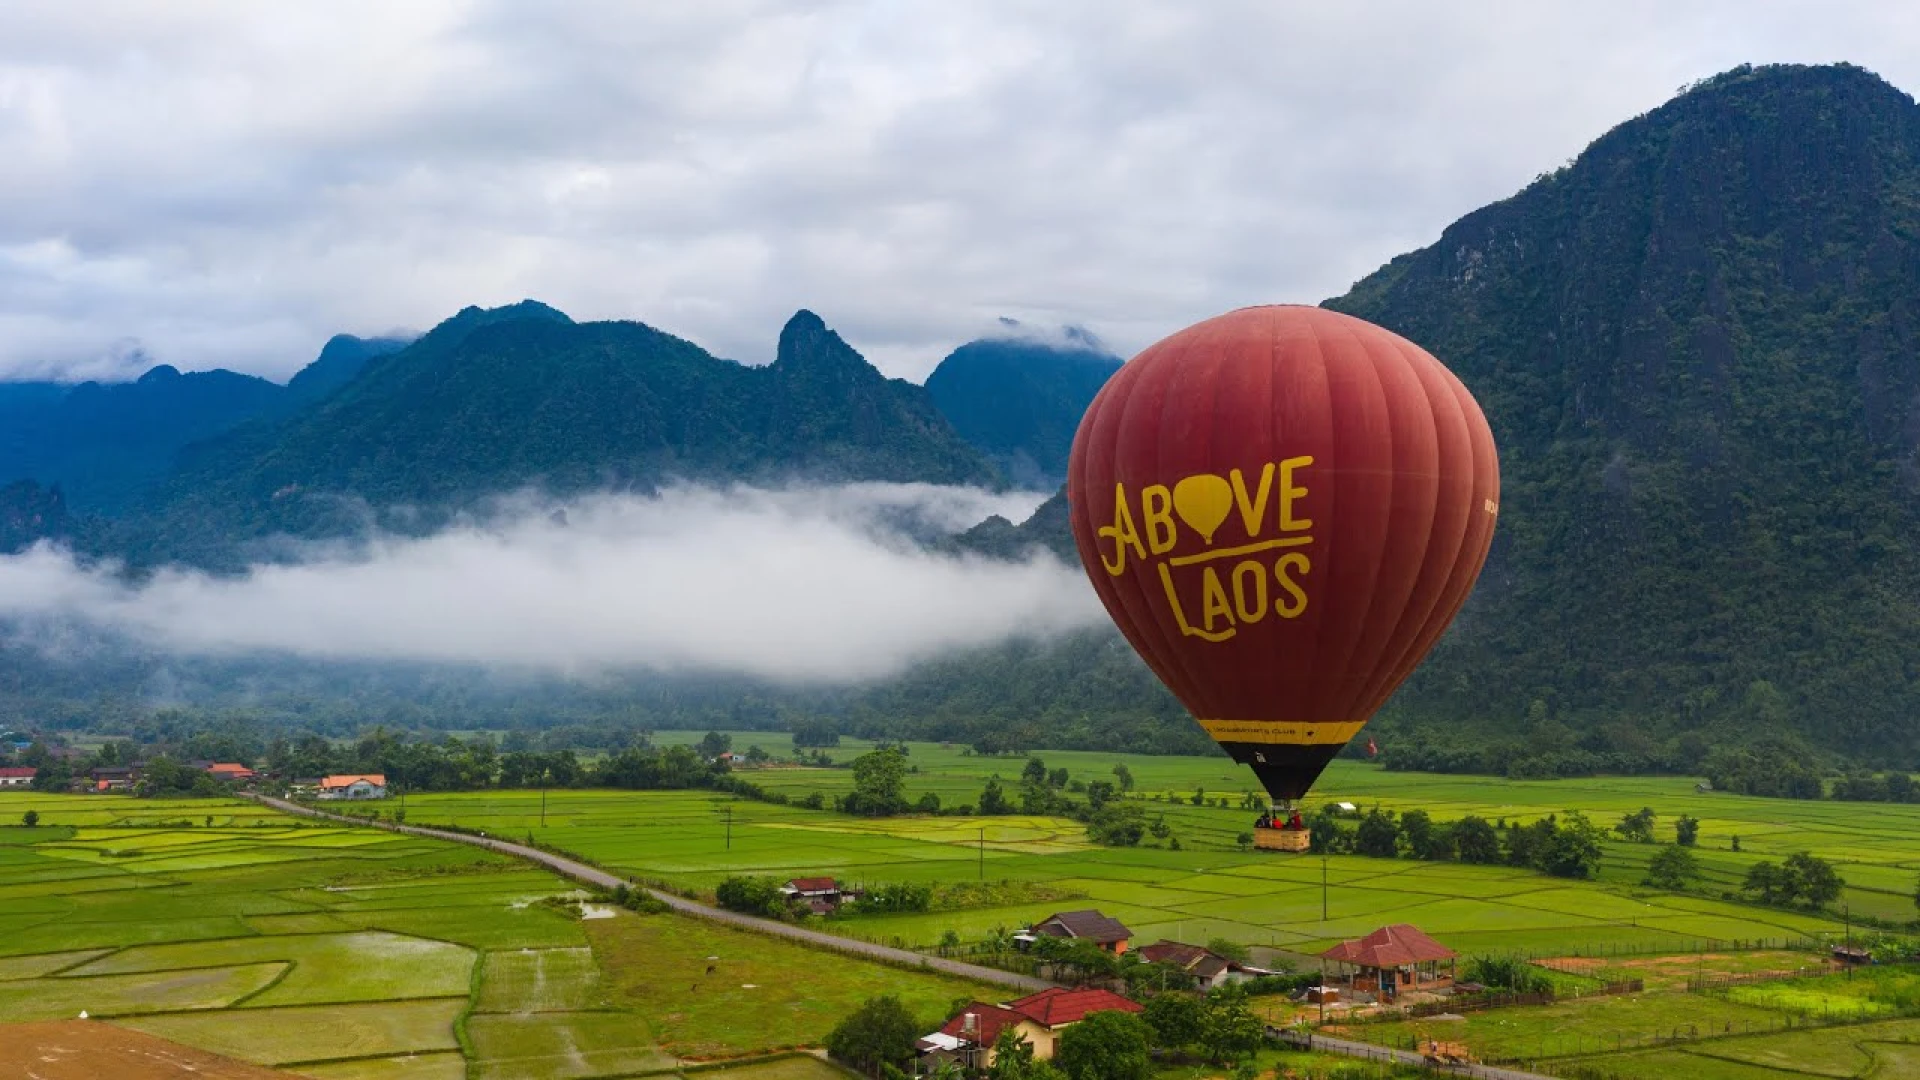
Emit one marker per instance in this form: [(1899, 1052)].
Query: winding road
[(594, 876)]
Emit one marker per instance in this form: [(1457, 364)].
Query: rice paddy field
[(356, 954), (1209, 888)]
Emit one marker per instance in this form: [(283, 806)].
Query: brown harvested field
[(91, 1049), (1662, 972)]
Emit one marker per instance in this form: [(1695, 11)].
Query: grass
[(355, 954), (695, 983), (691, 840)]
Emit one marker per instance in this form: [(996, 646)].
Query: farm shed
[(17, 776), (1394, 960)]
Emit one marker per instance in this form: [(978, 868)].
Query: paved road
[(579, 871), (1405, 1057)]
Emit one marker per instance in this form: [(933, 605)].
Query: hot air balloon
[(1282, 508)]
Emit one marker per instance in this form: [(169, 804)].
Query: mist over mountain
[(1697, 345)]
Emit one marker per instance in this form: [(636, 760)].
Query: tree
[(1425, 840), (1812, 879), (753, 895), (1686, 830), (1117, 825), (715, 743), (1058, 778), (1108, 1045), (1378, 835), (880, 1032), (1229, 948), (1228, 1028), (1178, 1020), (1637, 827), (1475, 840), (1199, 797), (31, 819), (1124, 775), (1100, 793), (879, 777), (1013, 1060), (1574, 851), (1673, 868), (757, 756), (1765, 880), (1035, 772), (993, 798)]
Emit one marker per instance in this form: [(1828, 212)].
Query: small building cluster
[(351, 786), (1207, 968), (819, 895), (968, 1037)]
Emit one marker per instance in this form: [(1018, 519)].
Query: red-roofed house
[(1039, 1018), (17, 776), (226, 770), (821, 895), (1395, 959), (354, 786)]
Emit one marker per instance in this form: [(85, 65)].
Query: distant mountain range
[(1698, 345)]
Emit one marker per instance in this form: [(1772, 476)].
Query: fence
[(1607, 949), (1719, 981), (1476, 1002), (1576, 1044)]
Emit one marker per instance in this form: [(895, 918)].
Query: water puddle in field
[(595, 911)]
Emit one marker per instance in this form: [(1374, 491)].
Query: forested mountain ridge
[(1019, 400), (1699, 349), (491, 401)]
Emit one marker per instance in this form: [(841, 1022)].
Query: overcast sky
[(227, 184)]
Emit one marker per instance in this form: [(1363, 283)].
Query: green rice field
[(356, 954), (1209, 888)]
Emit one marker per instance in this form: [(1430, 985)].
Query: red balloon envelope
[(1282, 508)]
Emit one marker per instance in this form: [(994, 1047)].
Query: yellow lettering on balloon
[(1179, 614), (1252, 510), (1295, 602), (1288, 493), (1213, 601), (1122, 533), (1156, 508), (1250, 591)]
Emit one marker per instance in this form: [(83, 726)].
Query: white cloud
[(817, 585), (231, 182)]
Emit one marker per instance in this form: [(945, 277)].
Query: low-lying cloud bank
[(800, 585)]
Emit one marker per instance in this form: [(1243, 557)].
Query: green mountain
[(29, 512), (109, 446), (1699, 349), (491, 401), (1019, 401)]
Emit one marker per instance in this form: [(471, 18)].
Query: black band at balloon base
[(1286, 770)]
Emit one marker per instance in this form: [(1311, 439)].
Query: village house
[(1088, 925), (1395, 960), (17, 776), (820, 895), (1207, 968), (224, 770), (114, 777), (354, 786), (968, 1037)]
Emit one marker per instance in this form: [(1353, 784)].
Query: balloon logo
[(1282, 508), (1202, 502)]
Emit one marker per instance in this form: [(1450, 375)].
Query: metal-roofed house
[(1088, 925)]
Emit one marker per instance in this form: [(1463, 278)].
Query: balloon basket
[(1282, 839)]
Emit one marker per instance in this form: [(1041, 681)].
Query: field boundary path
[(1371, 1052), (592, 875)]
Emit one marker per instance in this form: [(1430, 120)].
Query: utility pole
[(729, 812), (543, 800)]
